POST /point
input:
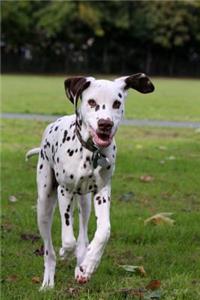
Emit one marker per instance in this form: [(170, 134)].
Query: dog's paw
[(48, 281), (80, 275)]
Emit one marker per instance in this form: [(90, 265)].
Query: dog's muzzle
[(102, 136)]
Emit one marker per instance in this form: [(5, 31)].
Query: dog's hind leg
[(84, 205), (45, 209)]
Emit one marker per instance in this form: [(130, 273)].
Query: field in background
[(171, 158), (173, 99)]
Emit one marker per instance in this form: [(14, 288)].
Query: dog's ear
[(74, 87), (139, 82)]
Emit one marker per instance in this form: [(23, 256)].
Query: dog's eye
[(92, 102), (116, 104)]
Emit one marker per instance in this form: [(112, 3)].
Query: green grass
[(173, 99), (170, 254)]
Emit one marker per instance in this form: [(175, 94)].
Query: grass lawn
[(173, 99), (170, 254)]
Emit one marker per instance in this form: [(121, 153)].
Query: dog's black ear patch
[(139, 82), (74, 87)]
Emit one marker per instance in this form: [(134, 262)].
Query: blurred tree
[(105, 36)]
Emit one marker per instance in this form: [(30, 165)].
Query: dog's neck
[(97, 157)]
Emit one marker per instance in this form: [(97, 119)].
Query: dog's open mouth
[(101, 138)]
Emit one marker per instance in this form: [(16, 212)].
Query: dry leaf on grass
[(161, 218), (162, 148), (11, 278), (6, 226), (36, 279), (30, 237), (134, 269), (12, 198), (140, 293), (39, 251), (153, 285), (146, 178)]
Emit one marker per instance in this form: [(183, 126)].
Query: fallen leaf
[(134, 269), (39, 251), (171, 157), (12, 198), (127, 196), (161, 218), (138, 146), (6, 226), (11, 278), (152, 295), (162, 148), (197, 130), (36, 279), (146, 178), (132, 292), (30, 237), (153, 285)]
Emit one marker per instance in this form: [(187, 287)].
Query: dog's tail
[(34, 151)]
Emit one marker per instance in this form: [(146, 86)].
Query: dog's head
[(102, 103)]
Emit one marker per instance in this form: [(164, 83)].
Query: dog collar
[(97, 157)]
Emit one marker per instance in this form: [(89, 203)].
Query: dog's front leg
[(65, 200), (102, 234)]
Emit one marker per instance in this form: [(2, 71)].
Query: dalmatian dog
[(76, 161)]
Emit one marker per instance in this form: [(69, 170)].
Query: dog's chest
[(71, 162)]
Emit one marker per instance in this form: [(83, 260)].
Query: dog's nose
[(105, 125)]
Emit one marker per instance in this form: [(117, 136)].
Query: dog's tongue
[(101, 142)]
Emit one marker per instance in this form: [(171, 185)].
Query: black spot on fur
[(57, 159), (56, 128), (41, 166), (90, 187), (68, 208), (99, 202), (46, 156), (63, 171), (120, 95), (48, 144), (68, 138), (42, 154), (56, 144), (81, 149), (64, 136), (98, 198), (97, 107), (103, 106), (114, 147), (108, 167), (73, 137), (66, 216), (104, 200), (71, 152), (47, 252), (84, 166), (52, 149), (71, 176), (76, 150), (81, 269), (87, 158), (45, 185), (57, 174)]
